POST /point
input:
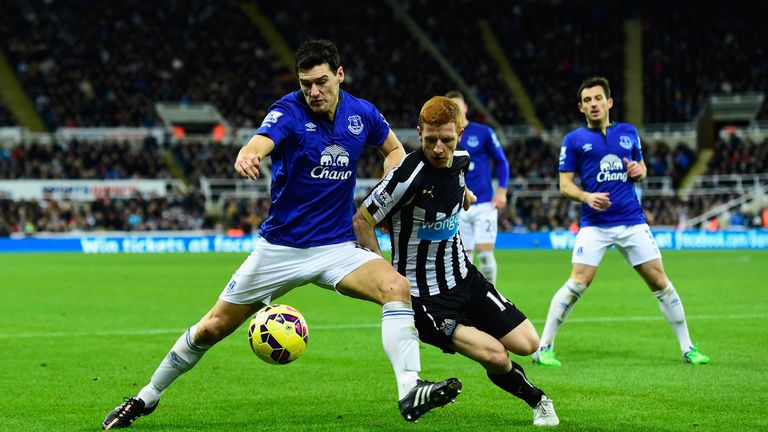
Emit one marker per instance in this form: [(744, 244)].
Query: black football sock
[(516, 383)]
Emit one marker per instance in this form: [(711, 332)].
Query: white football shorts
[(272, 270), (479, 225), (635, 242)]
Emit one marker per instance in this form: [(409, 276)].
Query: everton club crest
[(355, 124)]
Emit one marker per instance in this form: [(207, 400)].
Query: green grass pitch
[(80, 332)]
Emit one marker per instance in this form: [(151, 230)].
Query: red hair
[(438, 111)]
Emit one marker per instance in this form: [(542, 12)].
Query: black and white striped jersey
[(423, 205)]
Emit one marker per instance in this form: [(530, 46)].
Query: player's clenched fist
[(247, 166), (634, 169)]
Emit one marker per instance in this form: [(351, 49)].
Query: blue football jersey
[(481, 143), (598, 160), (314, 165)]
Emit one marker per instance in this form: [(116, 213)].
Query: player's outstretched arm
[(363, 224), (569, 189), (393, 152), (249, 158)]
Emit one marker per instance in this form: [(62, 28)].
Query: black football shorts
[(475, 303)]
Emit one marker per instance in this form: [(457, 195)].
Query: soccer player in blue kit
[(457, 309), (479, 224), (608, 159), (315, 137)]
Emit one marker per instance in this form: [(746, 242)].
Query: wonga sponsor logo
[(611, 168), (440, 229), (333, 156)]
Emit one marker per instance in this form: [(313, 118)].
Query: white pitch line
[(365, 326)]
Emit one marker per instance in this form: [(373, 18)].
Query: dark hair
[(593, 82), (315, 52), (454, 94)]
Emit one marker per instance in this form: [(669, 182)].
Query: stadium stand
[(736, 155), (137, 53), (383, 62), (6, 118), (692, 52), (76, 160), (177, 211), (463, 47), (534, 36)]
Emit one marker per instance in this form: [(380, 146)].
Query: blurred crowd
[(84, 65), (735, 155), (136, 53), (535, 203), (178, 210), (106, 160)]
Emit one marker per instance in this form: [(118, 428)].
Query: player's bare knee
[(210, 331), (496, 361), (528, 346), (657, 284), (395, 287)]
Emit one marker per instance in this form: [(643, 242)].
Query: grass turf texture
[(79, 332)]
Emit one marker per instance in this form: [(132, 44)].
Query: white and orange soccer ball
[(278, 334)]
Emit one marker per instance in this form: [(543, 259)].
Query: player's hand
[(247, 166), (634, 169), (469, 198), (383, 226), (598, 200), (499, 200)]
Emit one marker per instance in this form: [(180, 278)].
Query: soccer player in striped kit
[(457, 309), (479, 224)]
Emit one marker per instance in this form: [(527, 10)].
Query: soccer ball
[(278, 334)]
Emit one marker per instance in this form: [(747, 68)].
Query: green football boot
[(545, 357), (695, 357)]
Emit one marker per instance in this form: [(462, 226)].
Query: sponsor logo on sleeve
[(381, 197), (271, 118)]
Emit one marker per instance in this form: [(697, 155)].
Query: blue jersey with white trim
[(481, 143), (314, 166), (598, 160)]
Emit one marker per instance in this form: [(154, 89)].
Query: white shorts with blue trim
[(635, 242), (270, 271)]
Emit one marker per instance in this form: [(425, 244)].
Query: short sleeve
[(277, 123), (567, 155), (379, 128), (637, 151), (391, 190)]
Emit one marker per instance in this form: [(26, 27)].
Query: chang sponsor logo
[(611, 169), (440, 229), (332, 158)]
